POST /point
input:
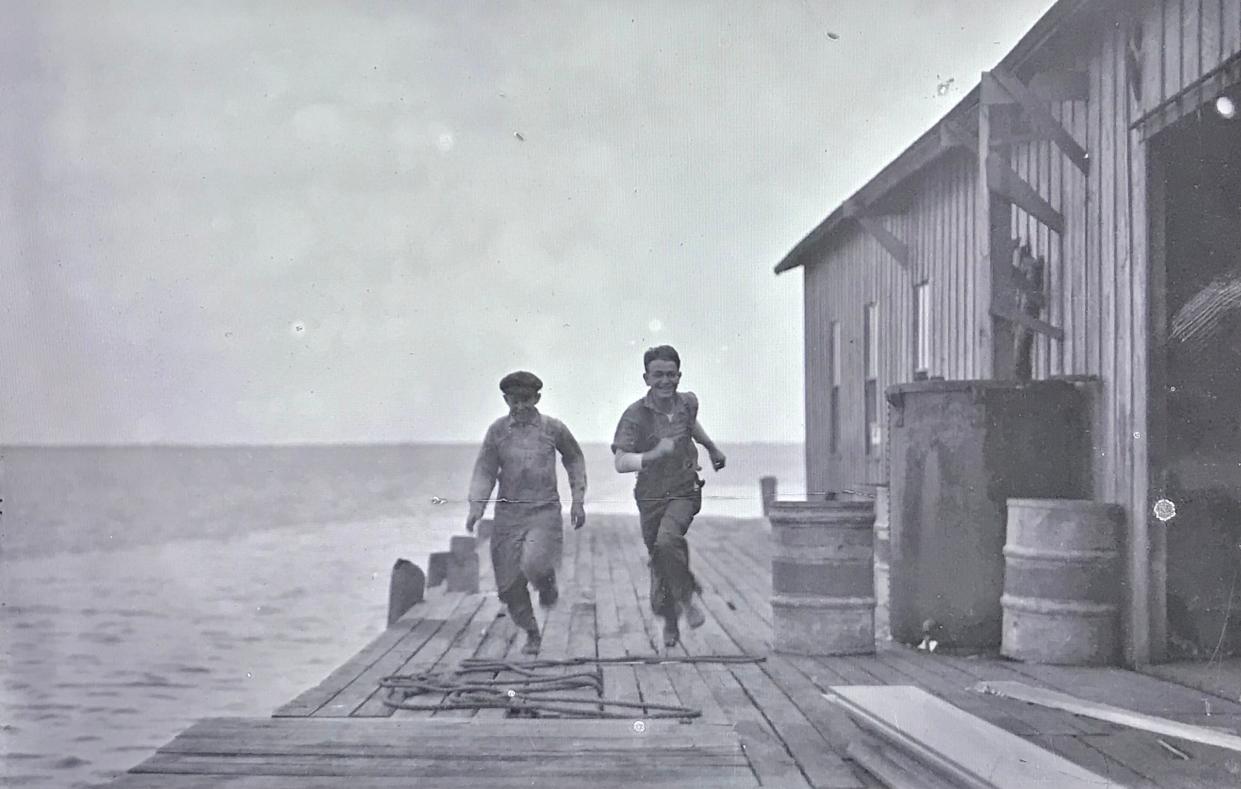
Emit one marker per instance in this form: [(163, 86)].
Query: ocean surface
[(143, 588)]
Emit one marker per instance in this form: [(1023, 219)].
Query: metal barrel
[(822, 577), (1061, 582), (883, 552)]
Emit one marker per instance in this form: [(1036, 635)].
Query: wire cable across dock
[(532, 688)]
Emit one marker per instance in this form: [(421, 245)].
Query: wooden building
[(1107, 142)]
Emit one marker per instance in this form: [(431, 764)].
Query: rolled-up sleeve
[(486, 469), (574, 462), (627, 433)]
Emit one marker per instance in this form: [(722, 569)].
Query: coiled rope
[(532, 687)]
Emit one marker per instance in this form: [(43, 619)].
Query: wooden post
[(768, 487), (405, 590), (437, 568), (994, 218), (1146, 638), (463, 565)]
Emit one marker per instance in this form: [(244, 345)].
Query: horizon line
[(310, 444)]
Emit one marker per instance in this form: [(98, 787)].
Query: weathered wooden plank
[(1230, 21), (1126, 689), (1171, 45), (619, 682), (957, 692), (1191, 40), (686, 680), (1093, 300), (584, 766), (954, 670), (1206, 767), (515, 748), (656, 733), (1211, 41), (165, 781), (1077, 748), (1219, 678), (409, 633), (807, 744), (984, 754), (1113, 714), (465, 647), (634, 607), (364, 698), (771, 761), (501, 636)]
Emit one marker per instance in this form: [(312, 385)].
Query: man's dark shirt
[(640, 429)]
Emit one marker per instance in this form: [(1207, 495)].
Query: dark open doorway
[(1196, 384)]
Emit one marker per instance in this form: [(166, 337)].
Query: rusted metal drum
[(1062, 582), (822, 576), (883, 552)]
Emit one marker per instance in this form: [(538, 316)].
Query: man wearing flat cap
[(520, 450)]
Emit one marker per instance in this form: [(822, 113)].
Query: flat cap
[(520, 380)]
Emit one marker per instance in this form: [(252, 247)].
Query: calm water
[(144, 588)]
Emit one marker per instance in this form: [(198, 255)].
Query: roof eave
[(930, 146)]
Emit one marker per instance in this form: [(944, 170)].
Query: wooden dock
[(762, 723)]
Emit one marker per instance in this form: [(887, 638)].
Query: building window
[(870, 349), (834, 394), (922, 331)]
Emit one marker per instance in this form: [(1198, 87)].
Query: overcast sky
[(312, 222)]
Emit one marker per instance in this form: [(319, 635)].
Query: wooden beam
[(1042, 118), (991, 93), (1106, 712), (1002, 180), (895, 247), (1061, 85), (953, 137), (1048, 86), (1012, 315), (993, 240)]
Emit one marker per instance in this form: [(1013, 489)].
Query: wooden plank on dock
[(1081, 749), (165, 781), (686, 680), (810, 747), (986, 669), (633, 607), (1220, 678), (1114, 714), (1206, 768), (466, 647), (501, 753), (955, 688), (364, 698), (409, 633), (983, 755), (771, 761), (619, 682)]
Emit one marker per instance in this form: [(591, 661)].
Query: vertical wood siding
[(1097, 271)]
